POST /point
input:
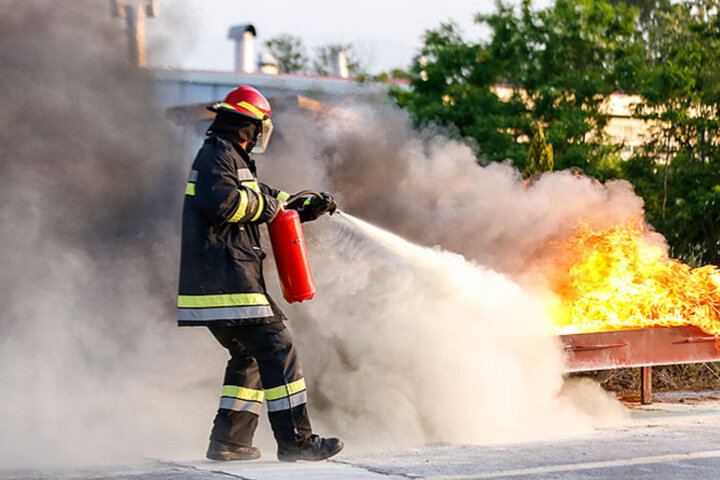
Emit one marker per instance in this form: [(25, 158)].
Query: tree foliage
[(558, 65), (322, 64), (289, 52), (678, 172), (647, 9), (540, 156)]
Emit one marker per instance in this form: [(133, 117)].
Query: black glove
[(310, 208), (329, 202)]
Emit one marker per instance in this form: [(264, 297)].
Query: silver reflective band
[(245, 174), (238, 405), (287, 403), (225, 313), (193, 176)]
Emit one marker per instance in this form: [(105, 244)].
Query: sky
[(385, 33)]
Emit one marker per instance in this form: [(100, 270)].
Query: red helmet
[(247, 101)]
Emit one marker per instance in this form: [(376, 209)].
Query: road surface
[(664, 441)]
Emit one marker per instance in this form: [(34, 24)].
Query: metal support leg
[(646, 386)]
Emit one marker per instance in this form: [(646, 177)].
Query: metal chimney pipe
[(339, 63), (135, 19), (134, 12), (244, 36)]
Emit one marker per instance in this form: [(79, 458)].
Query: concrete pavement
[(664, 441)]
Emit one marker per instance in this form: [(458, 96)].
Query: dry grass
[(692, 376)]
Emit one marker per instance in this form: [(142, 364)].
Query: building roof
[(182, 87)]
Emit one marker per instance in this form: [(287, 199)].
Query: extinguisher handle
[(304, 193), (315, 205)]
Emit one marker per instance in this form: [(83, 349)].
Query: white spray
[(414, 344)]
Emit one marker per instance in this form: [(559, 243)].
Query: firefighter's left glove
[(310, 208)]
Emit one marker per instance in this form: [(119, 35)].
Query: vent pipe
[(339, 63), (244, 36), (268, 64), (134, 13)]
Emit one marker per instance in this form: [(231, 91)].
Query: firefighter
[(222, 287)]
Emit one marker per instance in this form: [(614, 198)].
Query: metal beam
[(639, 348)]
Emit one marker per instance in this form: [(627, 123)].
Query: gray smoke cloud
[(92, 368), (441, 345)]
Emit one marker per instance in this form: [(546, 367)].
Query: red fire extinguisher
[(291, 258)]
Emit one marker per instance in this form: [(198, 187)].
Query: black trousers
[(263, 365)]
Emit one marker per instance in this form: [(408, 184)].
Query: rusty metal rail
[(644, 348), (585, 348)]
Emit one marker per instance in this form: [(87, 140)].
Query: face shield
[(264, 138)]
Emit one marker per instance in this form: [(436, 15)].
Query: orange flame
[(618, 281)]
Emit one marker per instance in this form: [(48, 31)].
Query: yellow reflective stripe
[(261, 207), (190, 189), (243, 393), (252, 185), (225, 300), (285, 390), (283, 196), (297, 386), (242, 207), (247, 106), (253, 109)]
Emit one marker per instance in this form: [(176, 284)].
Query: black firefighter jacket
[(221, 279)]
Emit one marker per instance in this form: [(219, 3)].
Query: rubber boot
[(225, 453), (311, 449)]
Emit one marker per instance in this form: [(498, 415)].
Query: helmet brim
[(218, 107)]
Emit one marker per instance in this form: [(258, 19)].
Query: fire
[(618, 281)]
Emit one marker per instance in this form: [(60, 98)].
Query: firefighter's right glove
[(310, 208)]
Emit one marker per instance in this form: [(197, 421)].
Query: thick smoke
[(91, 366)]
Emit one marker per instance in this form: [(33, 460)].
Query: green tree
[(559, 64), (647, 8), (540, 155), (289, 52), (452, 83), (322, 64), (384, 77), (678, 172)]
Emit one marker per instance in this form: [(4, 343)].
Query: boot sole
[(295, 457), (230, 457)]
